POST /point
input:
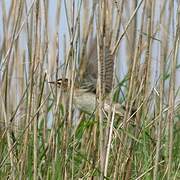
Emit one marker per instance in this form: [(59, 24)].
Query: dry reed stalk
[(101, 40), (171, 103), (164, 49), (120, 161)]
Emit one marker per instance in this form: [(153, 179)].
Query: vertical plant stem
[(171, 111)]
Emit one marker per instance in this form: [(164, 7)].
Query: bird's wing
[(91, 73)]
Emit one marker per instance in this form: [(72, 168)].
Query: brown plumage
[(84, 97), (90, 75)]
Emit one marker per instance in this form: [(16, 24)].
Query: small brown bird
[(84, 97)]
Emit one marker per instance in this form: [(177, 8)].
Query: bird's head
[(60, 83)]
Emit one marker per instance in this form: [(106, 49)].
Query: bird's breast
[(85, 101)]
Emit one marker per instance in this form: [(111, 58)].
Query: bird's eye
[(66, 80), (59, 83)]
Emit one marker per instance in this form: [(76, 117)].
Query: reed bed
[(43, 136)]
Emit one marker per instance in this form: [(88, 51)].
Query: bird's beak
[(57, 83), (52, 82)]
